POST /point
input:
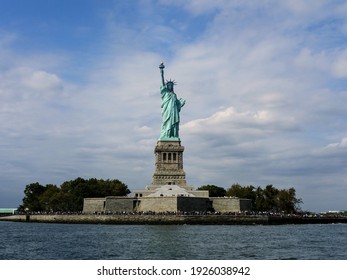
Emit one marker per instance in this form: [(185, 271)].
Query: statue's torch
[(161, 66)]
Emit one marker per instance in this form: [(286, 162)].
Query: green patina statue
[(170, 109)]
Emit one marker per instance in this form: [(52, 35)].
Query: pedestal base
[(168, 165)]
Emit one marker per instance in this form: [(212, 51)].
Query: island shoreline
[(172, 219)]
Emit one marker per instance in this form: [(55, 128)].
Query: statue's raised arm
[(161, 67)]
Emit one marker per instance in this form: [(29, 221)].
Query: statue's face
[(169, 86)]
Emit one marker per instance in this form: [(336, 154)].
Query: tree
[(31, 200), (260, 201), (270, 198), (267, 199), (70, 195), (80, 188), (214, 191), (287, 201), (48, 199), (242, 192)]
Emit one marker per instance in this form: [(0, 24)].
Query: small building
[(7, 211)]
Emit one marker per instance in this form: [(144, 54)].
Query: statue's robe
[(170, 108)]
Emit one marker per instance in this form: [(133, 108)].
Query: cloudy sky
[(265, 84)]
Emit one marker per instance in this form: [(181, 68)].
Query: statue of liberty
[(170, 109)]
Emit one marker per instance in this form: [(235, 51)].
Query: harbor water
[(41, 241)]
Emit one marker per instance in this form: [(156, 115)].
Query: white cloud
[(41, 81), (229, 119), (197, 7), (30, 81), (312, 62), (339, 67), (304, 7), (337, 146)]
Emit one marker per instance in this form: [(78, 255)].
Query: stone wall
[(192, 204), (226, 204), (245, 204), (91, 205), (157, 204), (165, 204), (120, 204)]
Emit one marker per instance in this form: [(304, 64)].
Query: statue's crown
[(172, 82)]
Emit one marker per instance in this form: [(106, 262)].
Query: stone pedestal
[(168, 165)]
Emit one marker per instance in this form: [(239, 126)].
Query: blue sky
[(265, 84)]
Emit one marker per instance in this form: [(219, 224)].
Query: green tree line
[(69, 196), (263, 199)]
